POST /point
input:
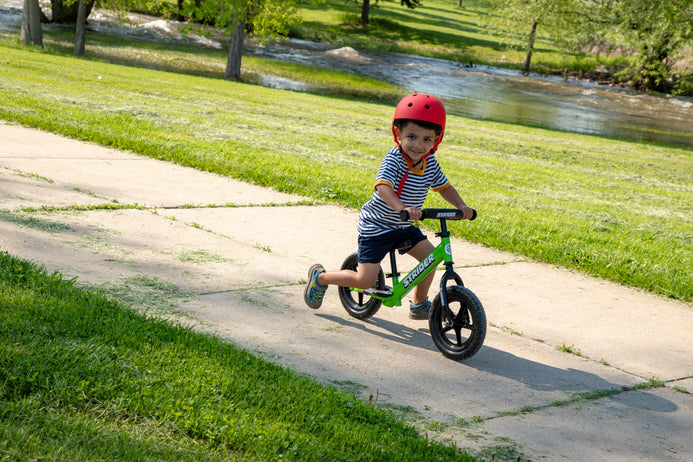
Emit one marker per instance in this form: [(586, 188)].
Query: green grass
[(83, 378), (438, 28), (209, 62), (612, 208)]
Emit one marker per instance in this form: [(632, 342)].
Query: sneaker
[(314, 291), (419, 311)]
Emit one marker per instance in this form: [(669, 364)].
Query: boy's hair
[(401, 123)]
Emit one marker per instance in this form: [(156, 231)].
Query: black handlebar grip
[(430, 213)]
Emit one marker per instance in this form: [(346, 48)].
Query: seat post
[(393, 264)]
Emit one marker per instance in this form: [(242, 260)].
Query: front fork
[(449, 274)]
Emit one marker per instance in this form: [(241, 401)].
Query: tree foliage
[(656, 31)]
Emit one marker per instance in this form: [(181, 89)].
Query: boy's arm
[(392, 199), (451, 195)]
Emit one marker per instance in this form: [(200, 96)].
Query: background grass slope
[(437, 28)]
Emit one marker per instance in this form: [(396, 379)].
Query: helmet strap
[(400, 187)]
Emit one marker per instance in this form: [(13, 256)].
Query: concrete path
[(237, 269)]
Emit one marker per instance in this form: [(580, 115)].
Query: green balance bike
[(456, 320)]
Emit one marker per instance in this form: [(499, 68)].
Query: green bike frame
[(442, 253), (456, 319)]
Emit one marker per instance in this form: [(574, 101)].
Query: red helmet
[(424, 107)]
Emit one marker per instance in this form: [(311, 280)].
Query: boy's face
[(416, 141)]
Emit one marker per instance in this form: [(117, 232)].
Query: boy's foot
[(314, 291), (419, 311)]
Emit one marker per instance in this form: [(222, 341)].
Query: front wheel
[(459, 337), (358, 304)]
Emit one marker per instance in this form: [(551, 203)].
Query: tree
[(77, 12), (520, 20), (656, 31), (31, 23), (74, 11), (266, 18)]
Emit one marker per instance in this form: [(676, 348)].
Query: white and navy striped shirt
[(376, 216)]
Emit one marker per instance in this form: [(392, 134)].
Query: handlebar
[(437, 214)]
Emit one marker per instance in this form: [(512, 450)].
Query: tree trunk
[(365, 11), (80, 28), (179, 14), (530, 48), (68, 14), (31, 23), (233, 63)]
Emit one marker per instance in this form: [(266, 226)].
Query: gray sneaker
[(314, 291), (419, 311)]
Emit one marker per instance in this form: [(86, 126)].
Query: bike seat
[(402, 246)]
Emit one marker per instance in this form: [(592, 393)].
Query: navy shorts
[(373, 249)]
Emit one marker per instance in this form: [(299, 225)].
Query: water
[(484, 92)]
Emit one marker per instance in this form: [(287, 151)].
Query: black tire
[(461, 337), (358, 304)]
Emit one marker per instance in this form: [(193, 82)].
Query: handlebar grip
[(433, 213)]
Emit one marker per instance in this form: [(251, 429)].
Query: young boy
[(406, 174)]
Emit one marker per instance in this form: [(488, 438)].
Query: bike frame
[(442, 253)]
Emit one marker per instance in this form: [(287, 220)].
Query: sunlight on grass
[(437, 28), (616, 209)]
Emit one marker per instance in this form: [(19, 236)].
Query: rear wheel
[(461, 336), (358, 304)]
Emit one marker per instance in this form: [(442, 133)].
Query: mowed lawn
[(612, 208)]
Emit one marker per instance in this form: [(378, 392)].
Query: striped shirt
[(376, 216)]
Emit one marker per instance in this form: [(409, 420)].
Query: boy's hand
[(415, 213), (468, 212)]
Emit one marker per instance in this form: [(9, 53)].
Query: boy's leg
[(319, 279), (421, 251), (364, 278)]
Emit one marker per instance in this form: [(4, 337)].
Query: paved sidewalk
[(238, 272)]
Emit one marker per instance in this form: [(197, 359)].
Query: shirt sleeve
[(389, 170), (440, 181)]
